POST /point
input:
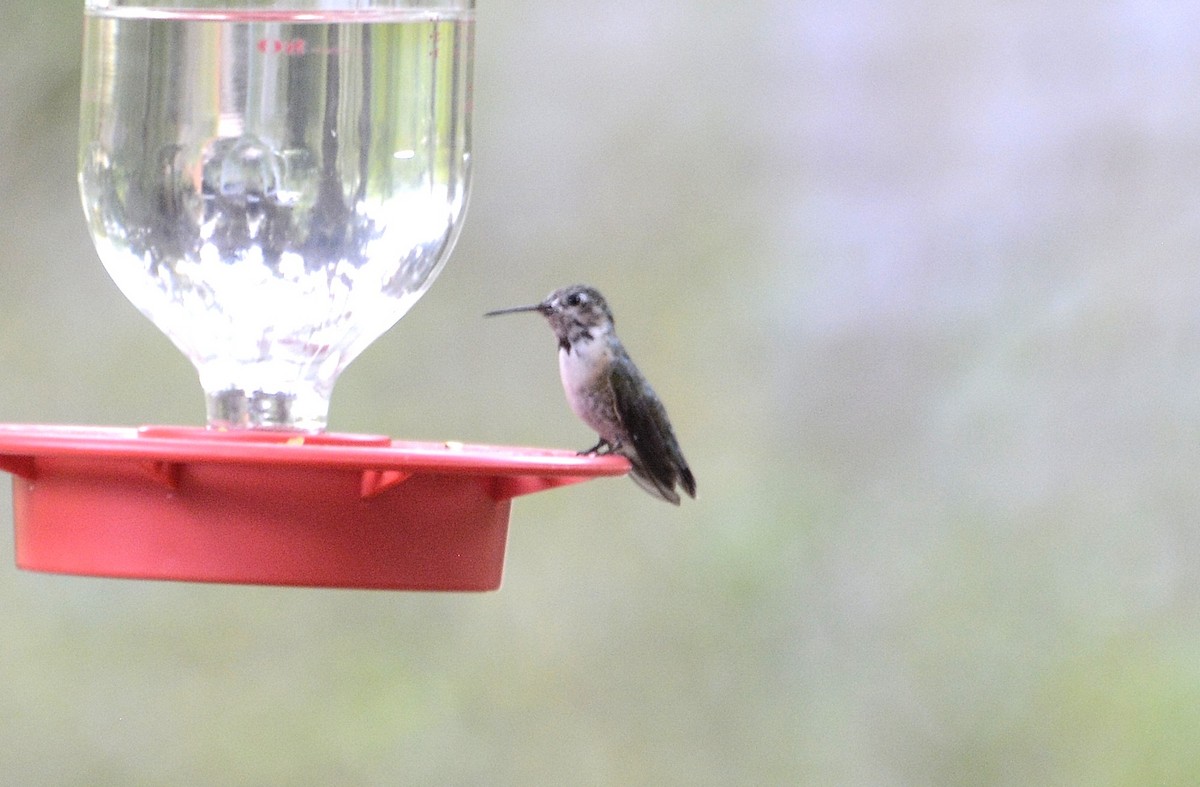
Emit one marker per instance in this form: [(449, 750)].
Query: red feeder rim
[(272, 508)]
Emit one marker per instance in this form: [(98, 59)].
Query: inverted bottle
[(275, 188)]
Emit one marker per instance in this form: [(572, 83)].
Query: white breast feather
[(578, 368)]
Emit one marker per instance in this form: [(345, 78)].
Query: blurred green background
[(918, 283)]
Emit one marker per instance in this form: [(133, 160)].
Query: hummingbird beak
[(537, 307)]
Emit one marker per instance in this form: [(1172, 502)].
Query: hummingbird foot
[(600, 449)]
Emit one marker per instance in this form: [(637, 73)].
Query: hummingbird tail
[(662, 488), (654, 487)]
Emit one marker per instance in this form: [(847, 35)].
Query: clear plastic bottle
[(275, 186)]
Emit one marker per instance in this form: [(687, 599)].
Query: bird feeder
[(274, 187)]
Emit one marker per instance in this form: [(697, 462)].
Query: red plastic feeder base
[(272, 508)]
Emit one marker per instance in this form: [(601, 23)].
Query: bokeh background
[(918, 283)]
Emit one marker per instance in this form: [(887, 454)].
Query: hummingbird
[(609, 394)]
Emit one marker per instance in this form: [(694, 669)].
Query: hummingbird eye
[(576, 298)]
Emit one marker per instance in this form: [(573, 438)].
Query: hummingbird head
[(575, 313)]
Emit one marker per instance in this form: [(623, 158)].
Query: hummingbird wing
[(657, 461)]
